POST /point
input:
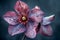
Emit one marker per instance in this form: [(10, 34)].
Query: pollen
[(24, 18)]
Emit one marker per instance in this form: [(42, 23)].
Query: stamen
[(23, 18)]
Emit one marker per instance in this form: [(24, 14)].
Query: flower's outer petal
[(13, 30), (10, 17), (21, 7), (46, 30), (31, 30), (36, 14), (48, 20)]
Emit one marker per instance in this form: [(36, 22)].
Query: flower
[(23, 20)]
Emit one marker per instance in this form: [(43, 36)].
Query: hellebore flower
[(23, 20)]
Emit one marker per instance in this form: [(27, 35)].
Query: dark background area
[(48, 6)]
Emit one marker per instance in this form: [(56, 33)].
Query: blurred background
[(48, 6)]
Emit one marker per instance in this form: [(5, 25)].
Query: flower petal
[(48, 20), (36, 14), (31, 30), (46, 30), (21, 7), (13, 30), (10, 17)]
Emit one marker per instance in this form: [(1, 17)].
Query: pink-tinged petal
[(48, 20), (13, 30), (10, 17), (36, 14), (21, 7), (17, 7), (46, 30), (31, 30)]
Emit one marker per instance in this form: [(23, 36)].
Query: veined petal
[(17, 7), (36, 14), (45, 27), (10, 17), (13, 30), (31, 30), (46, 30), (21, 7), (48, 20)]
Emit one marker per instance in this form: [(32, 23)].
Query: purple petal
[(31, 30), (10, 17), (48, 20), (13, 30), (46, 30), (36, 14)]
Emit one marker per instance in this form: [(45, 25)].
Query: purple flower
[(23, 20)]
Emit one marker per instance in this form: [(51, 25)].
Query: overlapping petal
[(37, 14), (10, 17), (16, 29), (47, 20), (46, 29), (31, 30)]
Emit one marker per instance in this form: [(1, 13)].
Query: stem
[(23, 37)]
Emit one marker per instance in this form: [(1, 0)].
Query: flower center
[(24, 18)]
